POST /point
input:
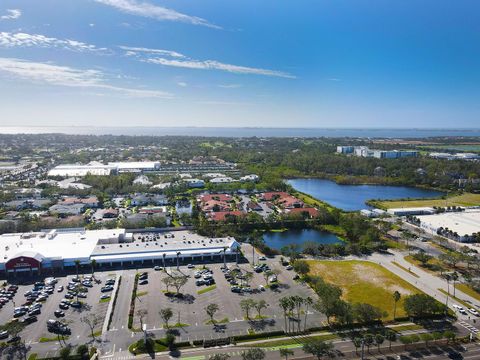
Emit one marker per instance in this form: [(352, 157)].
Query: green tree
[(246, 305), (318, 348), (219, 356), (253, 354), (301, 267), (82, 350), (426, 337), (170, 341), (396, 299), (259, 306), (65, 352), (379, 339), (286, 352), (166, 314), (391, 336), (211, 309), (405, 340), (368, 340)]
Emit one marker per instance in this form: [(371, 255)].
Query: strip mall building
[(60, 249)]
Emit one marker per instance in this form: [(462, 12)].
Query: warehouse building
[(59, 249)]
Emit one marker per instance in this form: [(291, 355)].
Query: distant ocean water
[(244, 131)]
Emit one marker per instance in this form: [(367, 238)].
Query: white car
[(473, 311), (190, 266), (263, 258)]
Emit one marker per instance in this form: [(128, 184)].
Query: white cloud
[(9, 40), (216, 65), (135, 50), (182, 84), (12, 14), (152, 11), (46, 73)]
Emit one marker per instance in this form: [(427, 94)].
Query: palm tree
[(237, 250), (93, 263), (454, 277), (283, 302), (396, 299), (77, 265), (163, 258), (308, 301), (297, 302), (224, 257)]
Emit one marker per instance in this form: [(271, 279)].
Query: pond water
[(353, 197), (276, 240)]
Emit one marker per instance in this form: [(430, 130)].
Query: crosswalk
[(469, 327)]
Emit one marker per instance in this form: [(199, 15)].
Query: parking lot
[(37, 333), (190, 309)]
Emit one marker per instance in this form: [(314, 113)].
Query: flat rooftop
[(68, 244), (169, 242), (464, 223)]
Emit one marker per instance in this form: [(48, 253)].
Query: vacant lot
[(459, 200), (364, 282)]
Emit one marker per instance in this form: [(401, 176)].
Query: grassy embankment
[(365, 282), (466, 199)]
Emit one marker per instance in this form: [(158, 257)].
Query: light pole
[(178, 260)]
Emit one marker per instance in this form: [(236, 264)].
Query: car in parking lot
[(3, 334), (110, 282), (14, 340), (105, 296), (157, 268), (462, 311), (236, 289), (60, 288), (76, 304), (289, 267), (143, 282), (263, 258), (29, 319), (59, 313), (200, 282), (35, 311), (190, 266), (106, 288), (64, 306)]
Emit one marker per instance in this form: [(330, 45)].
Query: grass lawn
[(142, 293), (293, 342), (45, 339), (433, 266), (467, 199), (365, 282), (207, 289), (221, 321), (104, 300), (468, 290)]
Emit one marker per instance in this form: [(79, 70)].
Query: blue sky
[(303, 63)]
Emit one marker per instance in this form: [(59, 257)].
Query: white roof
[(131, 165), (464, 223), (60, 244)]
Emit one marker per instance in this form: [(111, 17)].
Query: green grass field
[(365, 282), (468, 290), (467, 199)]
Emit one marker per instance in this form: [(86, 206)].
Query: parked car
[(157, 268), (105, 296), (29, 319), (289, 267), (106, 288), (3, 334), (59, 313), (190, 266), (60, 288), (143, 282)]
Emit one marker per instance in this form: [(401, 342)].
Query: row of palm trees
[(293, 307)]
